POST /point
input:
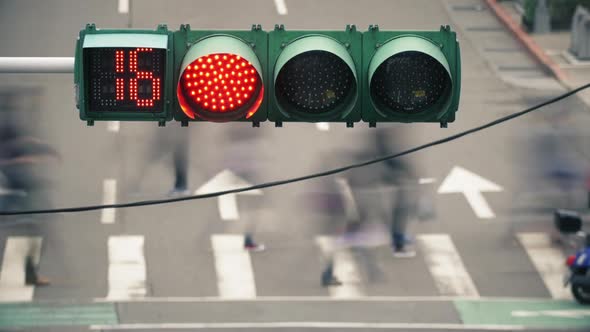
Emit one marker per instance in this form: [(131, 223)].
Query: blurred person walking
[(24, 160), (239, 157), (167, 143), (385, 192), (555, 161), (373, 196)]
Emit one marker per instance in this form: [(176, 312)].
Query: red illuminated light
[(120, 61), (219, 84), (120, 85), (570, 260)]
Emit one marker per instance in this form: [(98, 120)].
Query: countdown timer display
[(124, 79)]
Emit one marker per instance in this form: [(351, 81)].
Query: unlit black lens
[(314, 82), (409, 82)]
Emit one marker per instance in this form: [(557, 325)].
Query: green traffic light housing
[(282, 76), (315, 76), (220, 75), (411, 76), (123, 75)]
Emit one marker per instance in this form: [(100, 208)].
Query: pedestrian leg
[(399, 221)]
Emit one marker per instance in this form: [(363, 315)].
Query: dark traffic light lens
[(409, 82), (314, 82)]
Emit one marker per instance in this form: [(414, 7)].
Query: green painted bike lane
[(557, 314), (54, 314), (528, 313)]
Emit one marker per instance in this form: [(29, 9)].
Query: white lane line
[(114, 126), (345, 268), (323, 126), (12, 275), (446, 266), (127, 275), (310, 325), (281, 7), (189, 299), (426, 180), (123, 6), (549, 262), (235, 278), (109, 196)]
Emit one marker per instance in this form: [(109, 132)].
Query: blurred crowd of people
[(378, 201)]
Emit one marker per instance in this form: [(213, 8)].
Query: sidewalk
[(551, 49)]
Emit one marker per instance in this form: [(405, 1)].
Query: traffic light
[(220, 75), (315, 76), (123, 75), (411, 76), (282, 76)]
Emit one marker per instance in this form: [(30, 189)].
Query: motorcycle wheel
[(581, 294)]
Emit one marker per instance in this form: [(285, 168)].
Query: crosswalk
[(12, 275), (235, 278), (128, 278), (446, 266), (127, 273), (548, 260)]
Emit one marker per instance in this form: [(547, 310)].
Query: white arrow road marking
[(548, 260), (471, 185), (127, 276), (446, 266), (227, 180), (345, 268), (235, 278), (12, 276)]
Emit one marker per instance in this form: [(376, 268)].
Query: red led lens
[(220, 83)]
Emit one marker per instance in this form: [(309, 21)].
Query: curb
[(534, 49)]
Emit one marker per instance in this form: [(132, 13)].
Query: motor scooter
[(569, 224)]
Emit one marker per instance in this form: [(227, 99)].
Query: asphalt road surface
[(487, 264)]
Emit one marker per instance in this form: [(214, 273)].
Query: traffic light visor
[(220, 80), (409, 75), (315, 76)]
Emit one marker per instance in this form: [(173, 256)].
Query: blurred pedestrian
[(244, 155), (385, 192), (32, 276), (180, 157), (328, 277), (374, 196), (555, 162), (24, 160), (171, 144)]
